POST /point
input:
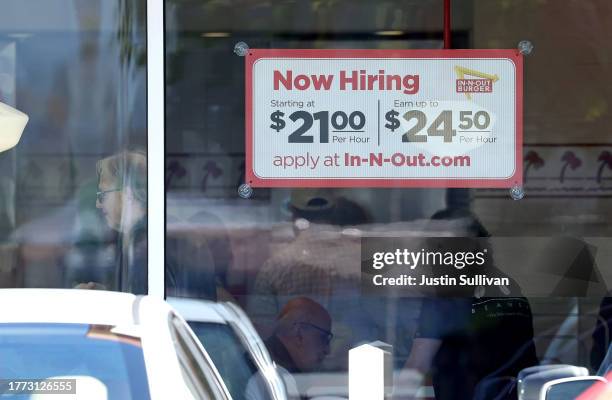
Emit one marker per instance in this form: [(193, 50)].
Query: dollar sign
[(277, 120), (393, 122)]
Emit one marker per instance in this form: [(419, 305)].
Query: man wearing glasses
[(122, 199), (302, 336), (299, 343)]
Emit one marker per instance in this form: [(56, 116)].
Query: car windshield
[(231, 359), (38, 351)]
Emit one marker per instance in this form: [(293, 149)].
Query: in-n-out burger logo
[(474, 85), (347, 80), (481, 82)]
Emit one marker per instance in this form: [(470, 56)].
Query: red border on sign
[(255, 181)]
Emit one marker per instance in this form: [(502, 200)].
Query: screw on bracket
[(525, 47), (517, 192), (241, 49), (245, 191)]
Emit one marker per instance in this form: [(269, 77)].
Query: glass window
[(39, 351), (291, 258), (73, 191), (196, 371), (229, 356)]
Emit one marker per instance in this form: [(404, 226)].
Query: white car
[(234, 346), (112, 345)]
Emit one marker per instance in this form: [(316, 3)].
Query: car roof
[(198, 310), (68, 306)]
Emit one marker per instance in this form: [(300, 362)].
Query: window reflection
[(284, 245), (122, 199), (77, 69)]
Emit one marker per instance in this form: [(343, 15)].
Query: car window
[(229, 355), (197, 373), (39, 351)]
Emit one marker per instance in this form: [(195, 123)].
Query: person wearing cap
[(320, 263), (325, 206)]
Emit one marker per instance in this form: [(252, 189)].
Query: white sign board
[(395, 118)]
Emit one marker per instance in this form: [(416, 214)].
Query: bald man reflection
[(301, 338), (299, 343)]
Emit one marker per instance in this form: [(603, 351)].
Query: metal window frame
[(156, 148)]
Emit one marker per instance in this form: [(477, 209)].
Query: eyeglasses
[(102, 194), (327, 335)]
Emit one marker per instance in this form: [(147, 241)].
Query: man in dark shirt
[(472, 339), (473, 334), (601, 334)]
